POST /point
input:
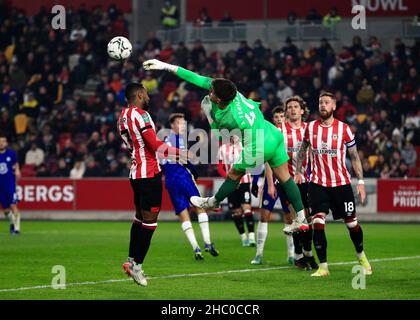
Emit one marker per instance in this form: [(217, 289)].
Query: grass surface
[(94, 251)]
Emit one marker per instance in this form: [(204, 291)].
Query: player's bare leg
[(262, 232), (320, 243), (187, 227), (299, 223), (230, 184)]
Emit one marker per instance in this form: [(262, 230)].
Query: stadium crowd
[(60, 132)]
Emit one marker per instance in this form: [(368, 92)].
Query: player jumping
[(330, 185), (240, 199), (9, 172), (181, 186), (228, 109), (137, 130)]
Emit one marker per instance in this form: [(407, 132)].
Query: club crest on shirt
[(145, 117), (8, 159), (335, 137)]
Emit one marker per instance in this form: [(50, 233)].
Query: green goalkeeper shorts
[(272, 149)]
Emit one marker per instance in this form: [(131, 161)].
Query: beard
[(325, 115), (146, 106)]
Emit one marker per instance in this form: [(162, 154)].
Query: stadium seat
[(28, 170)]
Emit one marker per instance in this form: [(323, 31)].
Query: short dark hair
[(132, 89), (302, 105), (175, 116), (327, 94), (278, 109), (2, 135), (224, 89)]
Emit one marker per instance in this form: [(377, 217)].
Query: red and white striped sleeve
[(348, 138)]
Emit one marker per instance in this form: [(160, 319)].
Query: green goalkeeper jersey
[(261, 140)]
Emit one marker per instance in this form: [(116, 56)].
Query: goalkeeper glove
[(154, 64)]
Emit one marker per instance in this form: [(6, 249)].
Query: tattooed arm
[(358, 171), (300, 158)]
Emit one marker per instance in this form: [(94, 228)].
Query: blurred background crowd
[(61, 131)]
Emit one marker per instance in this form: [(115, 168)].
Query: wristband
[(360, 181)]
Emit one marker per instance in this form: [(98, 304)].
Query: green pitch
[(92, 254)]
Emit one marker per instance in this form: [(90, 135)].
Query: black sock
[(134, 238), (297, 243), (320, 243), (307, 239), (249, 219), (356, 235), (144, 243), (239, 223)]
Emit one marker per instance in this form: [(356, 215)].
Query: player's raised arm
[(192, 77)]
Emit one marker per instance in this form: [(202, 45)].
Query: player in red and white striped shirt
[(137, 130), (330, 185), (239, 200)]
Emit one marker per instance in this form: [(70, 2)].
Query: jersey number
[(349, 207), (250, 117)]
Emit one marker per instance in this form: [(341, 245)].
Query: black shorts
[(339, 199), (303, 188), (241, 195), (148, 193)]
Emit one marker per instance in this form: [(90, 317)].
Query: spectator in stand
[(153, 41), (150, 83), (203, 19), (169, 15), (416, 19), (78, 170), (332, 18), (409, 155), (227, 20), (313, 16), (291, 18), (92, 169), (166, 54), (62, 171), (35, 156)]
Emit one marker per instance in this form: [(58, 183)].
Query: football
[(119, 48)]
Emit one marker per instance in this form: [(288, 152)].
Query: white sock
[(189, 232), (301, 216), (251, 236), (203, 220), (290, 246), (243, 237), (10, 216), (360, 255), (323, 265), (130, 259), (298, 256), (307, 253), (262, 231), (16, 220)]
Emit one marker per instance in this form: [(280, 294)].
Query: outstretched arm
[(358, 171), (189, 76)]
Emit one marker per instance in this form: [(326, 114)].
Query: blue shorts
[(8, 196), (268, 203), (181, 190)]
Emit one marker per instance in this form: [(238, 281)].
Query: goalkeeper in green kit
[(228, 109)]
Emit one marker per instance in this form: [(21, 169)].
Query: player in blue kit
[(181, 186), (9, 171)]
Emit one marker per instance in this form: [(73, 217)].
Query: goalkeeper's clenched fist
[(154, 64)]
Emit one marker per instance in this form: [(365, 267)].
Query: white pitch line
[(187, 275)]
